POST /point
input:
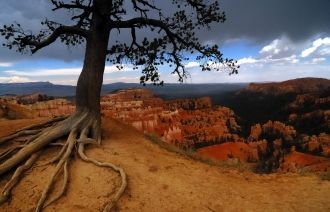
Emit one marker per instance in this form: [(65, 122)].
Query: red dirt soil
[(159, 180), (296, 160), (239, 150)]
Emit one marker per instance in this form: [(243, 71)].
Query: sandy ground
[(162, 181)]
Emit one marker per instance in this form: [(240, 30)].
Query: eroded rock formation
[(186, 123), (212, 130), (34, 105), (10, 109), (33, 98), (51, 108)]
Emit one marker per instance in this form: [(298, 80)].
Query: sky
[(272, 40)]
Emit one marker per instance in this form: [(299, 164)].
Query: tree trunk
[(91, 78), (86, 121)]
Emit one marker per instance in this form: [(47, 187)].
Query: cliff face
[(297, 86), (34, 105), (310, 113), (303, 103), (51, 108), (185, 123), (10, 109)]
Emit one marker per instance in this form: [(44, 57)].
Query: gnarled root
[(64, 185), (71, 142), (79, 126), (16, 177), (31, 130), (6, 153), (123, 186)]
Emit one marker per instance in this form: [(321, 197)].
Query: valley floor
[(159, 180)]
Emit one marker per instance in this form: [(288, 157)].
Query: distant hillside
[(296, 86), (36, 87), (260, 102), (168, 91)]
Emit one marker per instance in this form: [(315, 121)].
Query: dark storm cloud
[(29, 13), (257, 20), (262, 20)]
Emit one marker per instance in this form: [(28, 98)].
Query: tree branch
[(76, 5), (175, 34), (143, 11), (139, 22), (73, 30)]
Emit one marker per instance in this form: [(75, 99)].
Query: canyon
[(298, 140)]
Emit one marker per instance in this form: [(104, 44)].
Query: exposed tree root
[(80, 125), (9, 151), (58, 156), (71, 142), (16, 177), (122, 188), (43, 124), (64, 185), (31, 130), (18, 134)]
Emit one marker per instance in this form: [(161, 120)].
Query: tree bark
[(91, 78)]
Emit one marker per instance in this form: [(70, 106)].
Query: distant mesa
[(168, 90), (296, 86), (46, 88)]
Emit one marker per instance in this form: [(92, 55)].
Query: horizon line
[(176, 83)]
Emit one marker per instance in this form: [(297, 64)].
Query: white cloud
[(247, 60), (284, 60), (109, 78), (317, 44), (5, 64), (315, 61), (325, 51), (278, 48), (192, 64), (121, 79), (64, 71), (280, 60), (14, 79), (272, 47), (264, 73), (63, 81), (261, 61), (113, 68), (46, 72), (283, 51)]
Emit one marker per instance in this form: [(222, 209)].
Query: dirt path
[(163, 181)]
